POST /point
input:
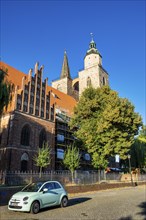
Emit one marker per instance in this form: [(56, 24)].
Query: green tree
[(106, 124), (43, 158), (6, 89), (72, 159), (138, 150)]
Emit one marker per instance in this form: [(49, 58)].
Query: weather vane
[(91, 36)]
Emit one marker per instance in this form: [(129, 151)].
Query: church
[(40, 113)]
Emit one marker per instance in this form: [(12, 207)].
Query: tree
[(106, 124), (6, 89), (72, 159), (43, 159), (138, 150)]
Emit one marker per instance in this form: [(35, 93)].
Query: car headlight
[(25, 198)]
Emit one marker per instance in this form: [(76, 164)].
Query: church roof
[(15, 76), (92, 48), (65, 72), (61, 100)]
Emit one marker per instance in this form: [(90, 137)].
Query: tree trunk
[(40, 174)]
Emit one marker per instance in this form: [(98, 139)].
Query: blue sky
[(34, 31)]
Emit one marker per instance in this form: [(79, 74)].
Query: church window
[(88, 82), (25, 97), (42, 114), (31, 99), (42, 138), (36, 112), (24, 108), (24, 162), (103, 81), (52, 113), (76, 86), (43, 93), (18, 106), (25, 135), (38, 92), (31, 110)]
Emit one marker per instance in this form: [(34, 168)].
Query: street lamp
[(129, 157)]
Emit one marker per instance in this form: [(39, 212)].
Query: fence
[(80, 177)]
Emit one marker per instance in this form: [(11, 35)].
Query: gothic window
[(36, 112), (103, 82), (32, 89), (52, 113), (25, 135), (31, 110), (24, 108), (47, 116), (37, 102), (42, 138), (24, 162), (88, 82), (38, 92), (76, 86), (25, 97), (31, 99), (43, 93), (42, 114), (18, 106)]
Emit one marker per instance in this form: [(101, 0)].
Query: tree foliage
[(106, 124), (72, 158), (43, 158), (138, 150), (6, 89)]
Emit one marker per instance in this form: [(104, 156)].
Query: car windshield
[(33, 187)]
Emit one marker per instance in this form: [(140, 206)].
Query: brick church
[(39, 112)]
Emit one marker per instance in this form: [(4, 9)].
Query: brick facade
[(11, 148)]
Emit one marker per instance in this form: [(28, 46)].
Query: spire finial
[(91, 36)]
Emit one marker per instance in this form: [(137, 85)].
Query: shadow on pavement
[(75, 201), (143, 207), (71, 202), (126, 218)]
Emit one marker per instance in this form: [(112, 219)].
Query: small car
[(38, 195)]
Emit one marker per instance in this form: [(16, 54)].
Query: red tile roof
[(60, 100)]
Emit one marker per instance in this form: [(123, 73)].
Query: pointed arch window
[(88, 82), (42, 138), (24, 162), (103, 81), (25, 135)]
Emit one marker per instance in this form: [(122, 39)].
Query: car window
[(33, 187), (49, 186), (56, 185)]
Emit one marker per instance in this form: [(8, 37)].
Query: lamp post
[(129, 157)]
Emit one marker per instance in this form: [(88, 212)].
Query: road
[(117, 204)]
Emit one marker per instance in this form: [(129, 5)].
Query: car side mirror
[(45, 190)]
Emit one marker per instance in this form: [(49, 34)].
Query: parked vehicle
[(36, 196)]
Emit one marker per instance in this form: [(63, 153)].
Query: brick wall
[(11, 150)]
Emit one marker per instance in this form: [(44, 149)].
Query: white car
[(36, 196)]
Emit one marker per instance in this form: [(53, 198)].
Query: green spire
[(65, 72)]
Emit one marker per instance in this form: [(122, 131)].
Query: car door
[(49, 197)]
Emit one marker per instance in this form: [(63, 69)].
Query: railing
[(80, 177)]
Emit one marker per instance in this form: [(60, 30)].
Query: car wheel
[(35, 207), (64, 201)]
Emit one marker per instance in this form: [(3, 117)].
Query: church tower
[(64, 84), (93, 74)]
